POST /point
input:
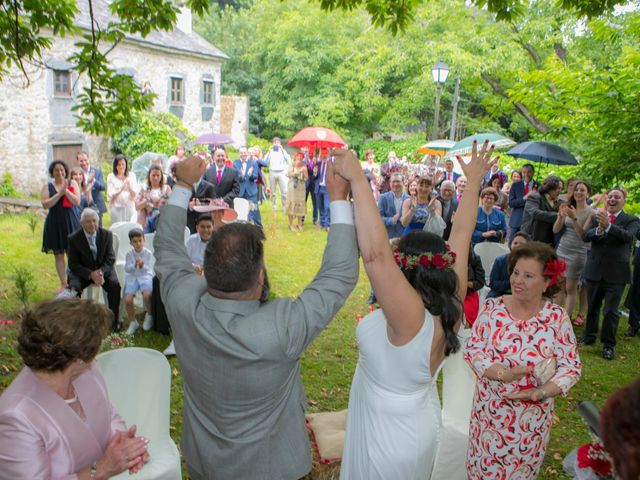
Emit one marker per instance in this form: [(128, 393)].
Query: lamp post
[(439, 72)]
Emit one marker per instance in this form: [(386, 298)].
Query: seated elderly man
[(92, 259), (239, 350)]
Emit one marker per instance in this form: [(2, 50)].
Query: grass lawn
[(329, 363)]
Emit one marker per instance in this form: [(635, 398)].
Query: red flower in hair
[(424, 261), (554, 269), (439, 262), (404, 261)]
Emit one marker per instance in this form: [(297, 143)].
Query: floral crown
[(554, 269), (427, 259)]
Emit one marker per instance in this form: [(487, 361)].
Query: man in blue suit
[(93, 176), (248, 173), (390, 206), (518, 197)]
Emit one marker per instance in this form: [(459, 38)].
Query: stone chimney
[(184, 20)]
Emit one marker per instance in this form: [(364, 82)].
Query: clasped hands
[(510, 375), (97, 277), (125, 451)]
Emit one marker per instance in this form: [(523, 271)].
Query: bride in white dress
[(393, 424)]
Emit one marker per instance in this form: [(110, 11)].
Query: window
[(61, 83), (177, 90), (207, 92)]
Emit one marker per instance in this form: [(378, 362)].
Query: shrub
[(158, 132), (408, 147), (32, 221), (6, 187), (25, 285)]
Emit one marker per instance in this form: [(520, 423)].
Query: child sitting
[(138, 267), (197, 243)]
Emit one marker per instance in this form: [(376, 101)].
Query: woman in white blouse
[(122, 189)]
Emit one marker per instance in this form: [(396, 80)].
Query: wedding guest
[(524, 353), (59, 197), (633, 298), (151, 198), (95, 181), (461, 183), (390, 206), (371, 171), (393, 425), (310, 186), (56, 420), (122, 189), (178, 155), (541, 211), (520, 190), (248, 174), (278, 160), (296, 206), (391, 166), (449, 205), (475, 282), (573, 220), (495, 170), (138, 268), (86, 200), (416, 211), (503, 200), (412, 188), (499, 277), (490, 225), (321, 192), (608, 268), (620, 430)]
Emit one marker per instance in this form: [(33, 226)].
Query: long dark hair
[(116, 160), (437, 287), (572, 200), (154, 168)]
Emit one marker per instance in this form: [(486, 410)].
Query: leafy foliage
[(25, 285), (107, 102), (151, 132), (7, 189), (406, 147)]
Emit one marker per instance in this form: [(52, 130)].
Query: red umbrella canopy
[(317, 137)]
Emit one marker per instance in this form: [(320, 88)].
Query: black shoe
[(607, 353), (584, 342), (631, 332)]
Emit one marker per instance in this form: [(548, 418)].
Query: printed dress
[(508, 439)]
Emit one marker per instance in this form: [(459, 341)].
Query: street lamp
[(439, 72)]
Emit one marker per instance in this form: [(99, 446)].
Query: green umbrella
[(463, 147)]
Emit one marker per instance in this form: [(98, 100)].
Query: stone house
[(37, 124)]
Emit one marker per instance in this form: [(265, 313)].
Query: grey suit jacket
[(244, 402)]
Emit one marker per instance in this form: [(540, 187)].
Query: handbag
[(65, 201), (544, 370)]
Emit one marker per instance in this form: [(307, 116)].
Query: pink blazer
[(41, 437)]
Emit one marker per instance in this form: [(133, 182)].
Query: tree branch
[(519, 106), (530, 49), (17, 41)]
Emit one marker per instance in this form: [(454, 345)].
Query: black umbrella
[(543, 152)]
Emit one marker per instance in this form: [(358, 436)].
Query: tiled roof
[(174, 40)]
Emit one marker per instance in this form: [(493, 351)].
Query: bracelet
[(93, 471)]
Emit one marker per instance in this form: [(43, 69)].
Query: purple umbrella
[(212, 139)]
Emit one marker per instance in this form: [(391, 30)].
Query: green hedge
[(382, 147)]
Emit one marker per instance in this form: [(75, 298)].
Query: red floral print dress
[(507, 438)]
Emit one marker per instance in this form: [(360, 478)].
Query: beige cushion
[(327, 430)]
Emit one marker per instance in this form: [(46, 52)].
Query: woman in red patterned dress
[(524, 353)]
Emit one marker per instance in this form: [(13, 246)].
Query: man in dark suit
[(93, 176), (225, 181), (447, 174), (310, 185), (449, 205), (92, 260), (608, 268), (518, 198), (390, 206), (248, 173), (321, 192), (633, 297), (202, 190)]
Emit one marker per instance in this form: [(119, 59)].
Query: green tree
[(106, 104)]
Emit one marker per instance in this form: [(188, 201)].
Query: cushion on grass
[(327, 432)]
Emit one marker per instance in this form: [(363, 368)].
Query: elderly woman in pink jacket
[(56, 420)]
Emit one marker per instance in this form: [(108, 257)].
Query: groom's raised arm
[(180, 286)]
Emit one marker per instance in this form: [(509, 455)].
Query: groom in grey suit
[(239, 352)]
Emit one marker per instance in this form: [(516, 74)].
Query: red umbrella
[(317, 137)]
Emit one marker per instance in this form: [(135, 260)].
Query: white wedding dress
[(393, 423)]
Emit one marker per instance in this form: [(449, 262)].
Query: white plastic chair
[(458, 386), (148, 241), (242, 207), (92, 292), (139, 383), (488, 252)]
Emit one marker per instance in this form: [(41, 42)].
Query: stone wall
[(19, 206), (32, 120), (234, 118)]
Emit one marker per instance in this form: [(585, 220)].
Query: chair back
[(187, 234), (148, 241), (139, 383), (122, 230), (241, 206), (488, 252)]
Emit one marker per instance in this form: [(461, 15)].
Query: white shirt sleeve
[(180, 197), (341, 211)]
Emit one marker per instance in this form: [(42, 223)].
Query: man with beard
[(239, 351), (608, 268)]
